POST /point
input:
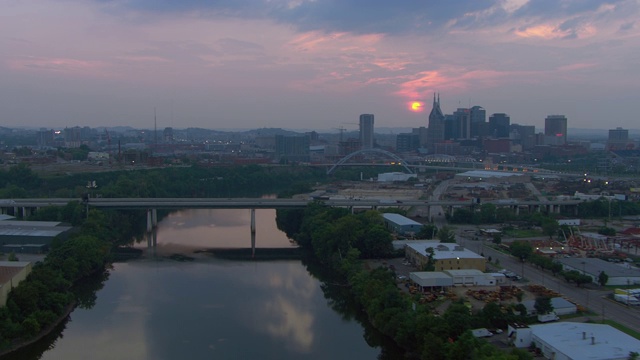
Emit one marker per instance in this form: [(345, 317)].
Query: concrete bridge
[(24, 207)]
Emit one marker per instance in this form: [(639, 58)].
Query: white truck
[(626, 299), (482, 332), (543, 318)]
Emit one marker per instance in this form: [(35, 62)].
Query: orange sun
[(416, 106)]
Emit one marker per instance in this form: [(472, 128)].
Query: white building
[(395, 176), (560, 306), (471, 277), (619, 274), (575, 341), (431, 279)]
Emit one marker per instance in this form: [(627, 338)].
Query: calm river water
[(157, 308)]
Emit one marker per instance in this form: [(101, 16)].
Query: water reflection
[(156, 308), (191, 229)]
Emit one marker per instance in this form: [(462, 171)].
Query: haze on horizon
[(315, 64)]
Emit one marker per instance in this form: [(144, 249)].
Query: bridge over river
[(24, 207)]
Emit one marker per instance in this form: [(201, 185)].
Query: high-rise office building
[(555, 130), (292, 148), (619, 139), (366, 131), (478, 117), (407, 142), (462, 124), (435, 133), (524, 135), (499, 125)]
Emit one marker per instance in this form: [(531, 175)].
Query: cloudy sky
[(316, 64)]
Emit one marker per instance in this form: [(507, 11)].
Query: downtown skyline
[(315, 64)]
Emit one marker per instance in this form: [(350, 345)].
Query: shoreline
[(46, 331)]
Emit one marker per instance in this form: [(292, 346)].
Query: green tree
[(497, 238), (446, 235), (428, 231), (550, 227), (543, 305), (603, 278), (13, 257), (521, 249)]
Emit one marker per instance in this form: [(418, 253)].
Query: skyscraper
[(555, 130), (619, 139), (366, 131), (499, 125), (435, 133), (478, 120), (462, 124)]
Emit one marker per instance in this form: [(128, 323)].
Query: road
[(592, 298)]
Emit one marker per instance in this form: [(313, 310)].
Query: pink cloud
[(59, 65)]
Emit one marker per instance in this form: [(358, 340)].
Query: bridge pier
[(253, 233), (149, 223), (154, 217), (517, 209)]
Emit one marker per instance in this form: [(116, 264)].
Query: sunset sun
[(416, 106)]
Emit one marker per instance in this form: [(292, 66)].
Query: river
[(158, 308)]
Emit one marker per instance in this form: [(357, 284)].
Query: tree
[(543, 305), (497, 238), (550, 227), (521, 249), (446, 235), (603, 278), (427, 231)]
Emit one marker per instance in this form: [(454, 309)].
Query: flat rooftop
[(399, 219), (448, 250), (575, 340), (593, 266)]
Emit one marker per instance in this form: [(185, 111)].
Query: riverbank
[(18, 345)]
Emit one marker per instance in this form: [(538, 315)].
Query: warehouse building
[(446, 256), (11, 274), (560, 306), (619, 274), (575, 341), (471, 277), (431, 280), (29, 236), (400, 224)]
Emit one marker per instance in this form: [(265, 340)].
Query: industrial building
[(400, 224), (619, 274), (446, 256), (29, 236), (575, 341), (471, 277), (560, 306), (430, 280), (11, 274)]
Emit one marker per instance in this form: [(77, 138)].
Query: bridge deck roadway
[(247, 203)]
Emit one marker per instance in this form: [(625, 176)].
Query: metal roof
[(449, 253), (399, 219), (574, 340), (593, 266), (33, 231)]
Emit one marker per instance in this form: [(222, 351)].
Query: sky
[(316, 64)]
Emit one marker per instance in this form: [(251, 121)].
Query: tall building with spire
[(435, 133)]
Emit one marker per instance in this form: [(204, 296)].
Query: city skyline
[(315, 64)]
